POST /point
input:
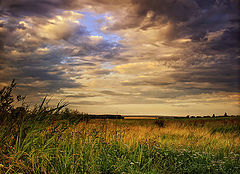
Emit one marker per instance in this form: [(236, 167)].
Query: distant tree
[(213, 115), (225, 115)]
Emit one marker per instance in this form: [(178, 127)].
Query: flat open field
[(207, 145)]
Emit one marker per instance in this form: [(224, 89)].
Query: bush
[(160, 123)]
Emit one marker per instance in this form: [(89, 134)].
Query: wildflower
[(1, 165), (131, 163)]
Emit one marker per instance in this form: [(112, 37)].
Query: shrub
[(160, 123)]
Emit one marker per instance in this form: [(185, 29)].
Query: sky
[(156, 57)]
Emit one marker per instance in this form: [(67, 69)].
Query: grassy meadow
[(59, 140)]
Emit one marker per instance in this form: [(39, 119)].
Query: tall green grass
[(58, 140), (81, 149)]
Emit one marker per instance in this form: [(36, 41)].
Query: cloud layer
[(129, 56)]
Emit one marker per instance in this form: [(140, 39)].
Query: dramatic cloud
[(40, 8), (127, 56)]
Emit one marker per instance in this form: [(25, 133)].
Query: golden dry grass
[(173, 134)]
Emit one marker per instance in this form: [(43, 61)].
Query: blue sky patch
[(94, 23)]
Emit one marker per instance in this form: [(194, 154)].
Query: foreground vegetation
[(58, 140)]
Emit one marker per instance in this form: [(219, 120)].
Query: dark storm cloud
[(8, 35), (201, 74), (27, 72), (34, 8), (220, 76), (220, 69), (228, 42), (176, 10), (12, 24), (184, 10), (50, 86), (188, 18)]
